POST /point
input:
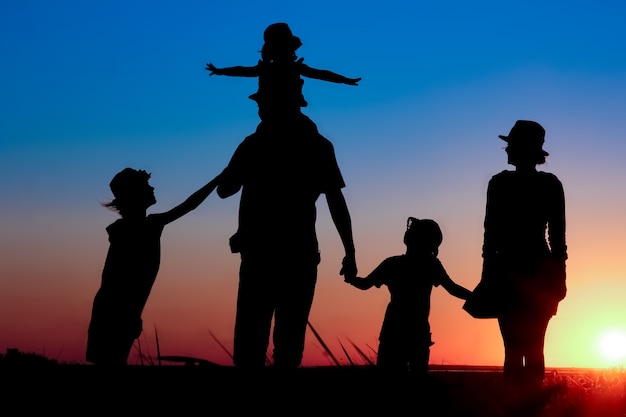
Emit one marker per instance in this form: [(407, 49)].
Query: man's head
[(271, 109)]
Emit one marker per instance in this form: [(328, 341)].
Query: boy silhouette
[(131, 265)]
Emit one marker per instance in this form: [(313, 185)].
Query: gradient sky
[(89, 88)]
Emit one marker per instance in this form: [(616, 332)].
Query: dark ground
[(215, 390)]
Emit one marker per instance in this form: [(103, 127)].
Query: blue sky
[(89, 88)]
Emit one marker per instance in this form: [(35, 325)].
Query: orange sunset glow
[(87, 90)]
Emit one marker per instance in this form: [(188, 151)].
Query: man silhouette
[(281, 170)]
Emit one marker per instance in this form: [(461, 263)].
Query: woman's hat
[(528, 135), (279, 34)]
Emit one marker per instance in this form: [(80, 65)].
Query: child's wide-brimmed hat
[(279, 35), (526, 135)]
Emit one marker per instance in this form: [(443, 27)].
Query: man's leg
[(296, 290), (255, 307), (391, 356)]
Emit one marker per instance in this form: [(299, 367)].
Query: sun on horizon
[(611, 346)]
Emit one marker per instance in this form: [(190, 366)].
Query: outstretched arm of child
[(455, 289), (191, 203), (358, 282), (237, 71), (326, 75)]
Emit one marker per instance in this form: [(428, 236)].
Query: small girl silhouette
[(405, 338), (131, 265), (279, 69)]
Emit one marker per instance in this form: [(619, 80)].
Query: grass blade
[(319, 339), (363, 355), (346, 353), (156, 335), (221, 345), (138, 346)]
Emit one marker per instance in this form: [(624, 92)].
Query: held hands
[(350, 279), (348, 268)]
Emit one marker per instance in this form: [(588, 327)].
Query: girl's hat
[(279, 35), (526, 135)]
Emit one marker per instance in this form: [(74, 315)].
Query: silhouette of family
[(281, 170)]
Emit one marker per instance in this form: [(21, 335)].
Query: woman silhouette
[(524, 254)]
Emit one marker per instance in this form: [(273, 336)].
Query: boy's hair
[(124, 186), (423, 232)]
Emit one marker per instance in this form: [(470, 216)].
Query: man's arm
[(341, 217)]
